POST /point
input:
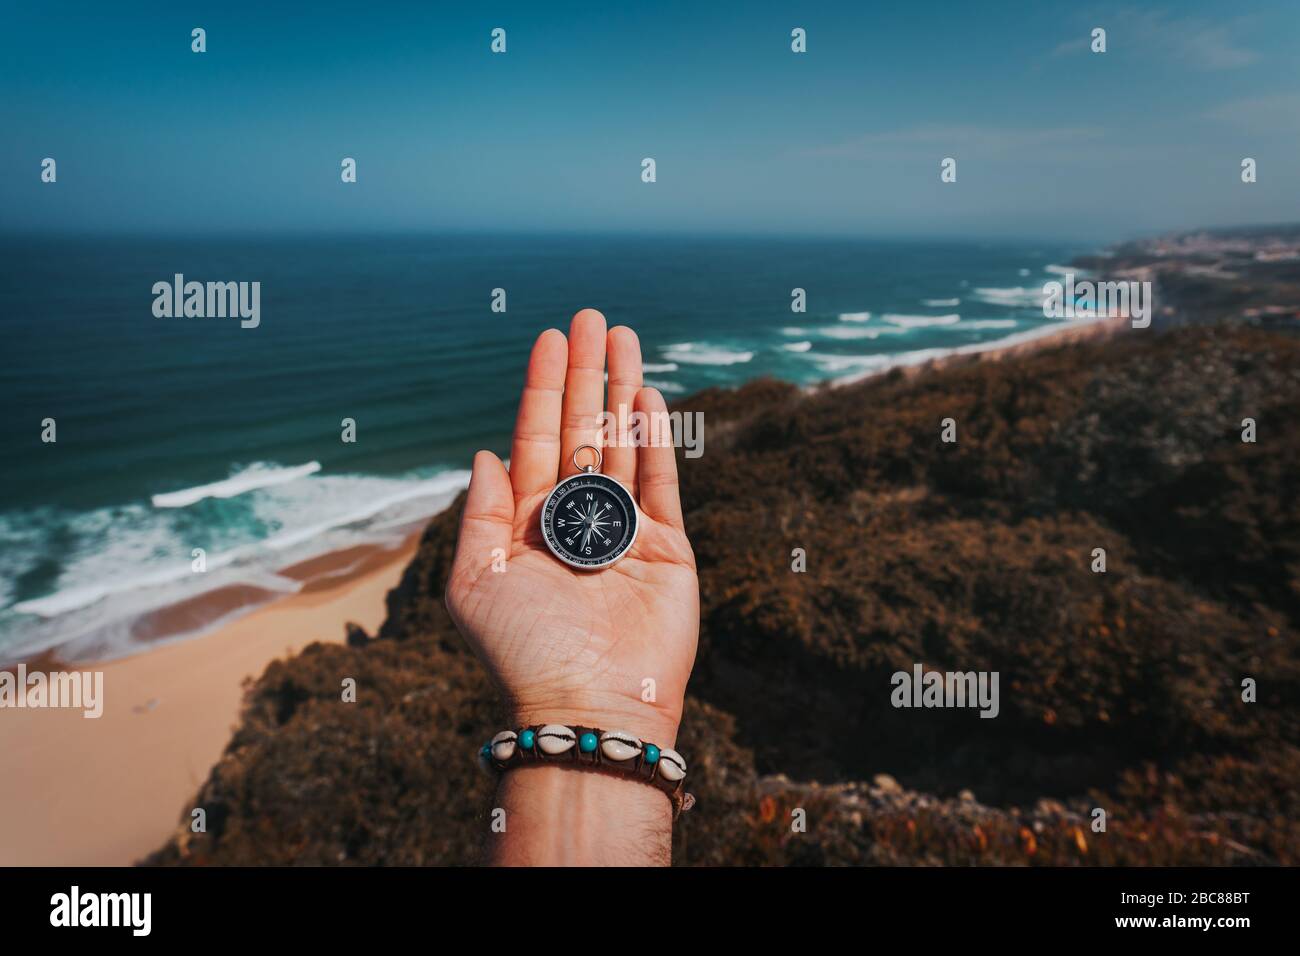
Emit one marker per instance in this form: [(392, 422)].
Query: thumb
[(488, 521)]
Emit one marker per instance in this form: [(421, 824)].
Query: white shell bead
[(619, 745), (503, 745), (555, 739), (671, 764)]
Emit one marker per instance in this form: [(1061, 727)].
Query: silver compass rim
[(636, 522)]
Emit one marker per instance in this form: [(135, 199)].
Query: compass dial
[(589, 521)]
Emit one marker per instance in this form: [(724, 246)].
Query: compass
[(589, 520)]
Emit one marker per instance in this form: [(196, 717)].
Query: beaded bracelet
[(613, 750)]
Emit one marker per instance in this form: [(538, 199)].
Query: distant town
[(1243, 275)]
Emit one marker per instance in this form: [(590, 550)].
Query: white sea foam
[(124, 562), (855, 316), (861, 365), (358, 509), (941, 303), (257, 475), (852, 332), (838, 364), (797, 346), (1015, 297), (922, 321), (658, 366), (864, 365), (793, 330), (1067, 270), (665, 386), (700, 353), (116, 538), (875, 364), (987, 324)]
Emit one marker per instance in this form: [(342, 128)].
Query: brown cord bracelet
[(613, 750)]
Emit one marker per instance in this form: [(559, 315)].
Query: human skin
[(577, 647)]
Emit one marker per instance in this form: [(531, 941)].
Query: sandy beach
[(108, 791)]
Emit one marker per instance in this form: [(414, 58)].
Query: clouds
[(1184, 41), (1259, 112), (1209, 47), (974, 140)]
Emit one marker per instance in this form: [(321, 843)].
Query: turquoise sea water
[(183, 433)]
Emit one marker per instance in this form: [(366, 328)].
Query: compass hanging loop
[(600, 459)]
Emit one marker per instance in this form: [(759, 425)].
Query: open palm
[(611, 648)]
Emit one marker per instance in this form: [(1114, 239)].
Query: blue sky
[(1051, 140)]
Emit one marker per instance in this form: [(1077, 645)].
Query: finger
[(657, 465), (624, 351), (584, 387), (488, 521), (535, 450)]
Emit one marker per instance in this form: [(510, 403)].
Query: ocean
[(176, 434)]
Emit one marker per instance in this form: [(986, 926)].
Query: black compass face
[(589, 521)]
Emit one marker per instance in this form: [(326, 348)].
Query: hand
[(569, 646)]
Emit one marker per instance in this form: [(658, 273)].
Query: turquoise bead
[(651, 753), (526, 739), (587, 742), (486, 751)]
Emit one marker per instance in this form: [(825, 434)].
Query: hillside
[(1118, 690)]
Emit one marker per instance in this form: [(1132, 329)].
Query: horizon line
[(1118, 238)]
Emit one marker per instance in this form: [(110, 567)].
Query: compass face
[(589, 521)]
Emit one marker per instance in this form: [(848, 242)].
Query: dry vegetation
[(1118, 690)]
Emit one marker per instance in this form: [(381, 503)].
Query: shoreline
[(211, 611), (109, 791), (1021, 343)]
